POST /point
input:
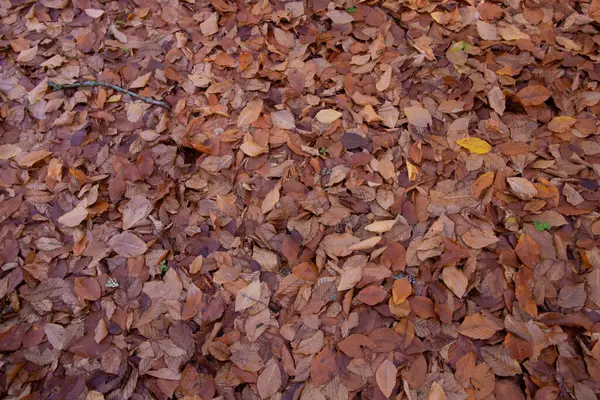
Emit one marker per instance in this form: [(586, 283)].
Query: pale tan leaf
[(328, 116), (385, 377), (128, 245), (283, 119), (48, 244), (487, 31), (28, 55), (94, 13), (54, 62), (456, 280), (365, 244), (56, 334), (436, 392), (497, 100), (8, 151), (381, 226), (499, 361), (248, 296), (74, 217), (418, 116), (251, 148), (385, 80), (477, 238), (100, 332), (38, 92), (269, 381), (141, 81), (522, 188), (270, 200), (210, 26), (350, 277), (250, 113), (337, 244), (138, 208)]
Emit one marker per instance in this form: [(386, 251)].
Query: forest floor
[(314, 200)]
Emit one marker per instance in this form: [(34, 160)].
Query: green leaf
[(163, 267), (351, 9), (541, 226)]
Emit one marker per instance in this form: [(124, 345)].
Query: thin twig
[(59, 86)]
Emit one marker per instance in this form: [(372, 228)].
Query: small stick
[(58, 86)]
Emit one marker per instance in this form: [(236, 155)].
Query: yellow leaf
[(475, 145), (380, 226), (413, 171), (328, 116)]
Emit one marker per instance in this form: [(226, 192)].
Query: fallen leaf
[(141, 81), (381, 226), (8, 151), (528, 251), (561, 124), (128, 245), (328, 116), (533, 95), (522, 188), (87, 288), (436, 392), (496, 99), (269, 381), (283, 119), (475, 326), (401, 290), (210, 26), (248, 296), (418, 116), (27, 55), (385, 376), (475, 145), (74, 217), (138, 208), (456, 280), (250, 113), (94, 13)]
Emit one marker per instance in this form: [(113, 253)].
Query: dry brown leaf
[(476, 326), (141, 81), (436, 392), (74, 217), (385, 377), (269, 381), (127, 245), (283, 119), (210, 26), (522, 188), (456, 280), (138, 208), (496, 99), (248, 296), (381, 226), (8, 151), (533, 95), (418, 116), (250, 113)]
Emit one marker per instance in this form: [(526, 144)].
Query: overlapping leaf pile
[(378, 199)]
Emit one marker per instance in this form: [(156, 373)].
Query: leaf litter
[(382, 199)]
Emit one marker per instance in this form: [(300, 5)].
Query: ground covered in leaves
[(342, 200)]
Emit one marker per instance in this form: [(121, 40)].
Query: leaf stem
[(59, 86)]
